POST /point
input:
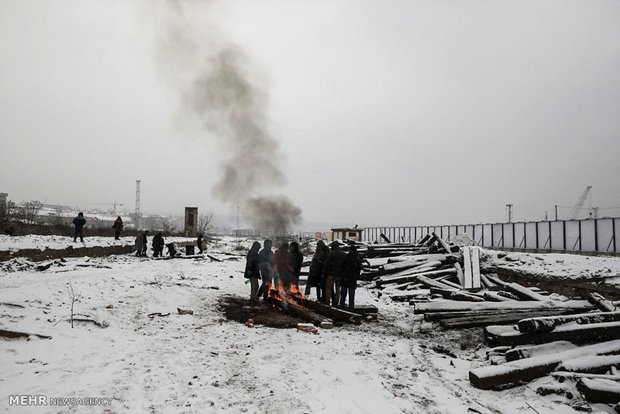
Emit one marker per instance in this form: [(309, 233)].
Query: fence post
[(564, 234), (550, 239), (537, 236), (514, 237), (596, 235), (580, 235)]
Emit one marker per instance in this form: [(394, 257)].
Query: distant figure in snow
[(352, 269), (315, 277), (144, 242), (78, 222), (332, 272), (252, 271), (200, 243), (283, 272), (139, 244), (118, 227), (172, 251), (265, 264), (295, 260), (158, 245)]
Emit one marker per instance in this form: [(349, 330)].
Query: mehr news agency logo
[(43, 400)]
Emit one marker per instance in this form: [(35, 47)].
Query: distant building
[(347, 233), (191, 221)]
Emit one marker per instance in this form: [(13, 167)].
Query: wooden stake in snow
[(467, 280), (72, 298)]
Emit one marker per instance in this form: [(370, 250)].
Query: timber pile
[(533, 333)]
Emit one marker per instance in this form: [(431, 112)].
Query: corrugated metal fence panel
[(486, 235), (508, 241), (557, 235), (543, 234), (572, 235), (617, 229), (497, 235), (588, 243), (519, 229), (530, 236), (605, 235)]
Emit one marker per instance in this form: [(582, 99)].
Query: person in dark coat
[(78, 222), (252, 271), (295, 259), (315, 277), (332, 273), (352, 269), (282, 269), (118, 227), (158, 245), (172, 251), (145, 242), (199, 243), (139, 242), (265, 264)]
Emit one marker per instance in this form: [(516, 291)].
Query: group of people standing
[(283, 266), (333, 272)]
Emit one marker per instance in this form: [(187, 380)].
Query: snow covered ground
[(41, 242), (204, 363), (558, 265)]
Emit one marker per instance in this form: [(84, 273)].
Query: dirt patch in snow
[(239, 309)]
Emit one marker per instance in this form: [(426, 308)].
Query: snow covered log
[(562, 375), (599, 390), (506, 316), (494, 297), (530, 351), (512, 373), (466, 297), (4, 333), (596, 364), (502, 335), (524, 293), (413, 276), (545, 324), (431, 283), (444, 306), (600, 302)]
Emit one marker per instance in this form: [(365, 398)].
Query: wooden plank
[(506, 315), (499, 335), (493, 296), (600, 302), (546, 324), (475, 267), (512, 373), (468, 277), (447, 306), (597, 364), (459, 274), (524, 293), (599, 390), (413, 276), (336, 314)]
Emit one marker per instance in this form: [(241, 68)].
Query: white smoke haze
[(220, 88)]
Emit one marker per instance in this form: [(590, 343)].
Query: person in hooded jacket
[(265, 264), (352, 269), (145, 242), (79, 221), (118, 227), (332, 273), (315, 277), (252, 271), (295, 260), (158, 245), (282, 269), (199, 243)]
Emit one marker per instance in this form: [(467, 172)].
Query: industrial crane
[(579, 204)]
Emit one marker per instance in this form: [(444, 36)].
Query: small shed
[(347, 233)]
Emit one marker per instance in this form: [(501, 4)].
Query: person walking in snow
[(118, 227), (252, 271), (352, 269), (79, 221), (265, 264)]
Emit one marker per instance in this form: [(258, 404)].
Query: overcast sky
[(388, 112)]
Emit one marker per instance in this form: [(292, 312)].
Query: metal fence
[(588, 235)]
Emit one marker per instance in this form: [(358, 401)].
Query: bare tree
[(31, 209), (205, 223), (58, 218), (167, 225), (8, 211)]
